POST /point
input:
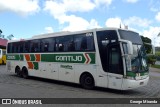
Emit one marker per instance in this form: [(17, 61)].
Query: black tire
[(87, 81), (25, 73), (18, 72)]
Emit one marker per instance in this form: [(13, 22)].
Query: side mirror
[(127, 46)]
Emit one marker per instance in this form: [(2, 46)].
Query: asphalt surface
[(12, 86)]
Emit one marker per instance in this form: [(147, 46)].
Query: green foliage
[(158, 55), (156, 66), (151, 59), (0, 31), (3, 36), (147, 47)]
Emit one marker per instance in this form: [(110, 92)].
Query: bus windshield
[(138, 59)]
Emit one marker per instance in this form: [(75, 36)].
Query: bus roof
[(55, 34)]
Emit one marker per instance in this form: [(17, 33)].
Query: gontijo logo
[(68, 58), (75, 58)]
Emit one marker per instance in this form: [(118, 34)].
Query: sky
[(26, 18)]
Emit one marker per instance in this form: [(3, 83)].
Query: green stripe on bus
[(32, 57), (133, 74), (88, 58), (15, 57), (92, 56), (68, 58), (36, 66), (21, 57)]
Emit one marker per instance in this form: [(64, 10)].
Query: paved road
[(12, 86), (41, 88), (154, 72)]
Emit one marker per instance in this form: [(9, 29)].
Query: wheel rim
[(88, 81)]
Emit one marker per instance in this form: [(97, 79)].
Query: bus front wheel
[(25, 73), (87, 81)]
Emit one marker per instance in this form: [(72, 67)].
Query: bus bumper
[(131, 84)]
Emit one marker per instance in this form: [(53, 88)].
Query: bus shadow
[(78, 86), (116, 91)]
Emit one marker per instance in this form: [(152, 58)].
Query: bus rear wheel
[(25, 73), (87, 81), (18, 72)]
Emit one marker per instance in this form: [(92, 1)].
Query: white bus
[(106, 57)]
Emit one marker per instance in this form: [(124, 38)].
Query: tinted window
[(84, 42), (104, 39), (64, 43), (26, 46), (9, 48), (115, 61), (20, 47), (131, 36), (47, 45), (70, 43), (15, 47), (35, 46)]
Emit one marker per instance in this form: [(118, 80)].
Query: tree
[(147, 41), (0, 31), (1, 36), (9, 37)]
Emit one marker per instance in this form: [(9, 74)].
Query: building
[(3, 43)]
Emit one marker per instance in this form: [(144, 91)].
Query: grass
[(156, 66)]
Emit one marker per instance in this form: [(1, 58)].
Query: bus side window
[(61, 47), (83, 42), (35, 46), (26, 46), (20, 47), (9, 48), (71, 46), (64, 43), (47, 45), (77, 42), (15, 47), (90, 43)]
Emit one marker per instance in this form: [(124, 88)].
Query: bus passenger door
[(115, 67)]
